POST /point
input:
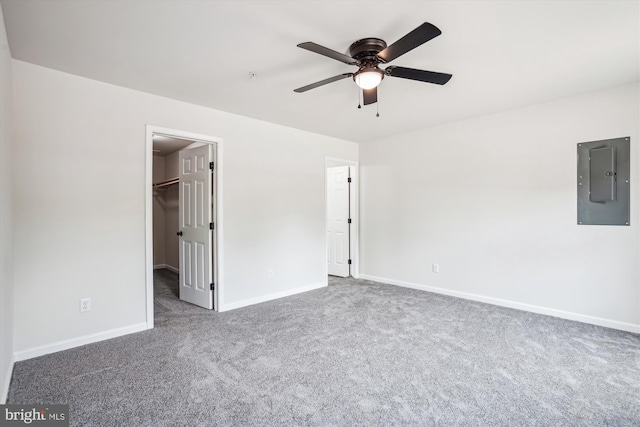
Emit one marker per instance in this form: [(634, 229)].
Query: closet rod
[(165, 183)]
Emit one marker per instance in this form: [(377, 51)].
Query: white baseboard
[(77, 342), (614, 324), (6, 381), (167, 266), (252, 301)]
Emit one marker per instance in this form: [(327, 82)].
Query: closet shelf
[(166, 183)]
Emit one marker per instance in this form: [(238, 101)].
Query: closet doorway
[(183, 215), (341, 217)]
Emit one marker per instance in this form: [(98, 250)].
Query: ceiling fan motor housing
[(367, 49)]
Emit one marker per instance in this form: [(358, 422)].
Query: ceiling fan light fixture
[(368, 78)]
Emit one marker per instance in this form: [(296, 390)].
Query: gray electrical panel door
[(602, 174), (603, 182)]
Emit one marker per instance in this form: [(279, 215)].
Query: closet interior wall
[(165, 213)]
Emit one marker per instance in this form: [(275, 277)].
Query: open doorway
[(341, 217), (165, 201), (183, 218)]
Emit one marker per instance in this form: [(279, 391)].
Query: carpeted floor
[(353, 354)]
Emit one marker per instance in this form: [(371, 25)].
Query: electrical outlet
[(435, 268), (270, 274), (85, 305)]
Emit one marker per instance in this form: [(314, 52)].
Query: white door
[(338, 220), (195, 222)]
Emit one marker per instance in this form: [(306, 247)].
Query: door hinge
[(349, 221), (212, 226), (213, 286), (211, 165), (349, 262), (349, 179)]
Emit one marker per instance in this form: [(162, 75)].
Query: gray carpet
[(353, 354)]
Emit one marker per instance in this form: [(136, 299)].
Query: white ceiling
[(164, 145), (502, 54)]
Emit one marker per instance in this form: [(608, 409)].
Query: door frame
[(354, 211), (218, 245)]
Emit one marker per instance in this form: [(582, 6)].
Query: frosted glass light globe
[(368, 79)]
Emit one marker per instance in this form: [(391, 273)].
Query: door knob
[(179, 233)]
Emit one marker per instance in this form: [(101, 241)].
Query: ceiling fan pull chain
[(359, 97), (378, 108)]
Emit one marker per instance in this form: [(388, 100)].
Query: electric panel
[(603, 182)]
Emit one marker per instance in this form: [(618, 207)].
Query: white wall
[(171, 165), (6, 222), (80, 200), (493, 201), (159, 257)]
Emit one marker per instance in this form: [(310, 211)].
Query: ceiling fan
[(367, 54)]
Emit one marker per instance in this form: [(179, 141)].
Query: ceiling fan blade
[(313, 47), (370, 96), (415, 38), (323, 82), (419, 75)]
